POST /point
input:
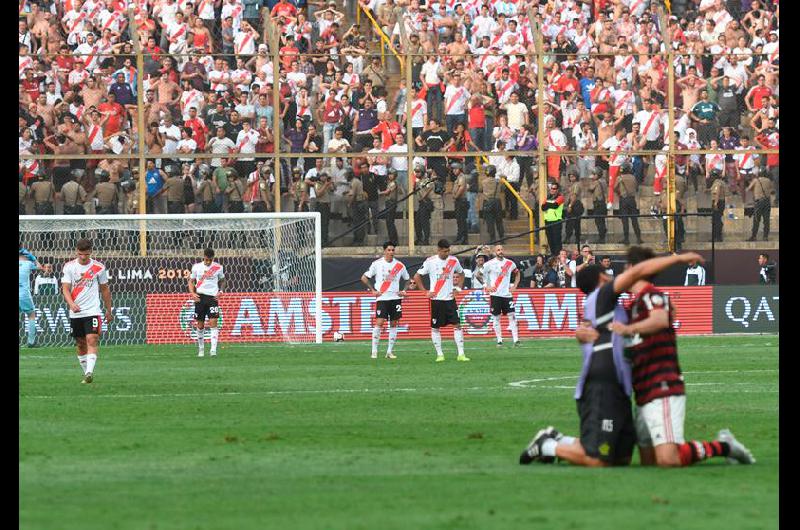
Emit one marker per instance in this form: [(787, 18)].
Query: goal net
[(272, 266)]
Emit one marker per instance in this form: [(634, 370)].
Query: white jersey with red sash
[(747, 160), (498, 273), (418, 109), (84, 281), (387, 276), (207, 277), (95, 139), (661, 173), (441, 273)]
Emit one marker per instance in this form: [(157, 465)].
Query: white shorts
[(661, 421)]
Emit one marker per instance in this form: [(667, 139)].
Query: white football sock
[(549, 447), (31, 331), (201, 340), (496, 325), (436, 337), (567, 440), (376, 339), (214, 338), (458, 336), (82, 360), (392, 339), (512, 322), (91, 359)]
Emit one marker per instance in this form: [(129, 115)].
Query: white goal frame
[(144, 218)]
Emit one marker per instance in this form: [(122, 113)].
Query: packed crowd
[(208, 79)]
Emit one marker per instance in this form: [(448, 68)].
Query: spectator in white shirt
[(695, 274)]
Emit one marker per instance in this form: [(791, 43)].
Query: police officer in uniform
[(173, 187), (358, 208), (717, 204), (107, 194), (323, 188), (626, 187), (235, 192), (73, 194), (762, 189), (425, 187), (574, 207), (43, 193), (392, 194), (492, 210), (598, 194), (461, 203), (206, 189), (473, 185), (553, 208), (299, 191), (262, 201)]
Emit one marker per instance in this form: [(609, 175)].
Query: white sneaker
[(212, 353), (373, 356), (201, 354), (739, 453), (391, 356), (499, 343)]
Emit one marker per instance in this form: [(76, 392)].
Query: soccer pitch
[(321, 436)]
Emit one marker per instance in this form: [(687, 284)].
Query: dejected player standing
[(83, 281), (497, 273), (443, 269), (387, 273), (27, 264), (658, 383), (205, 283)]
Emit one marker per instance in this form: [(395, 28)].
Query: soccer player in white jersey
[(83, 281), (497, 273), (444, 271), (205, 283), (387, 273)]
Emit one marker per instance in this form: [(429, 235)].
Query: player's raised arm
[(648, 268)]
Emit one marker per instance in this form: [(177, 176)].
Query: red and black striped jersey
[(656, 372)]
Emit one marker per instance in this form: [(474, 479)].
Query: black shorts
[(607, 428), (502, 305), (83, 326), (444, 312), (389, 309), (206, 307)]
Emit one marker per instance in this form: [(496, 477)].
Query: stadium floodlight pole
[(137, 48), (540, 97), (409, 138)]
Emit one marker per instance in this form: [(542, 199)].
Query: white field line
[(516, 385)]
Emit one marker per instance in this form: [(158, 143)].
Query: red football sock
[(694, 451)]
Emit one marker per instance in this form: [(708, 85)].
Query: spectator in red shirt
[(289, 53), (387, 128), (115, 113), (284, 9), (199, 128), (568, 83), (755, 98)]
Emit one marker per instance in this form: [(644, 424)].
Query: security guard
[(324, 189), (358, 207), (574, 207), (235, 193), (422, 227), (392, 194), (626, 188), (107, 194), (492, 210), (131, 198), (681, 186), (598, 194), (73, 194), (299, 191), (43, 193), (762, 189), (461, 202), (173, 187), (206, 189), (262, 199), (717, 204), (553, 208)]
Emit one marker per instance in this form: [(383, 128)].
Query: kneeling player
[(205, 284), (658, 383), (607, 434), (387, 273), (498, 273), (83, 281)]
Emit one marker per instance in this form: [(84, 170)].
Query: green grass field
[(308, 436)]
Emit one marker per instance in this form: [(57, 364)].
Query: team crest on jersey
[(474, 312), (186, 321)]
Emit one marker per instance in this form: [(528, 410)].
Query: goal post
[(272, 264)]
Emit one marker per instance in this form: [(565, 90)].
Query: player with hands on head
[(446, 275), (497, 273), (387, 273), (206, 282), (83, 282)]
